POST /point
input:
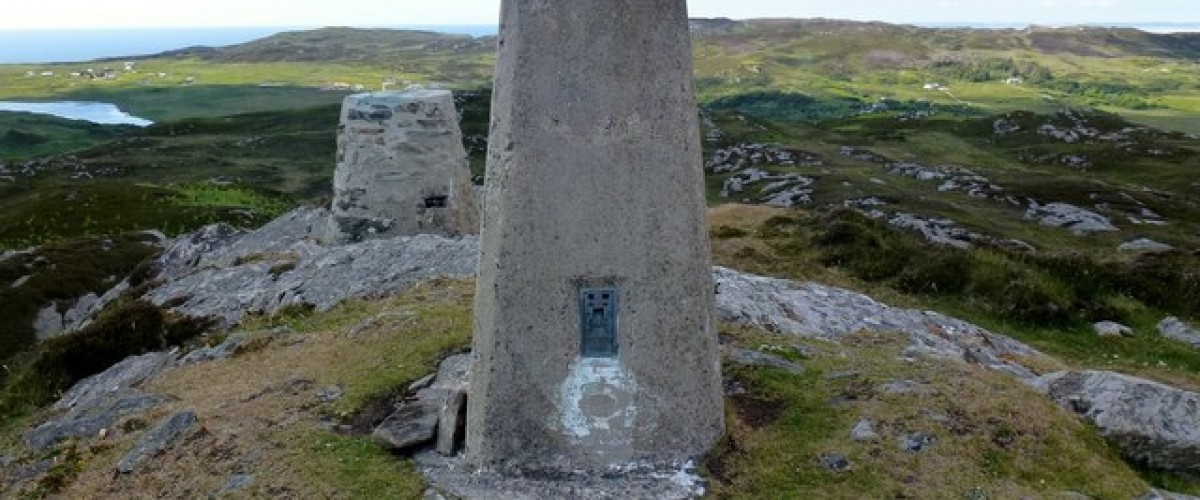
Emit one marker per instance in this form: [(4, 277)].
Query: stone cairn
[(594, 335), (401, 168)]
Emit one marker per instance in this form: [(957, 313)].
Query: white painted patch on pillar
[(596, 405)]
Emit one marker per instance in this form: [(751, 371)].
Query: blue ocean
[(45, 46)]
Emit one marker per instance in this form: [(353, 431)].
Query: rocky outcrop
[(99, 401), (1151, 423), (283, 264), (1079, 221), (813, 310)]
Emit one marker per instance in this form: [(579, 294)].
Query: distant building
[(1014, 81), (933, 86), (130, 65), (47, 73)]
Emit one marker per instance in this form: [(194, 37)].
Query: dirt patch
[(756, 411)]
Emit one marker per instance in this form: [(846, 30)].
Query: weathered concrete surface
[(402, 168), (594, 181)]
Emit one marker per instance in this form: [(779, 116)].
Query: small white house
[(933, 86), (130, 65), (47, 73), (1014, 81)]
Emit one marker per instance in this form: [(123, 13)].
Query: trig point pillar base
[(594, 335)]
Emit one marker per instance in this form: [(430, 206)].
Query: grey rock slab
[(413, 423), (1144, 245), (126, 374), (1112, 329), (818, 311), (1175, 328), (97, 402), (162, 436), (749, 357), (1078, 220), (321, 276), (88, 421), (1150, 423)]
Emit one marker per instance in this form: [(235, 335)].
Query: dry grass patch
[(992, 437), (260, 415)]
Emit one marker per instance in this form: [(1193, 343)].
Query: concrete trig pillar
[(594, 336), (401, 168)]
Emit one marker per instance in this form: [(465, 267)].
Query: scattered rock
[(48, 323), (1174, 328), (1071, 217), (834, 461), (1150, 423), (863, 431), (1144, 245), (416, 420), (236, 482), (161, 437), (1112, 329), (748, 357), (916, 442)]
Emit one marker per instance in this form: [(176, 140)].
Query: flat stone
[(161, 437), (413, 423)]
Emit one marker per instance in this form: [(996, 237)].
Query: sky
[(94, 14)]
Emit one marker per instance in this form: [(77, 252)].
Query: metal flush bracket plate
[(598, 322)]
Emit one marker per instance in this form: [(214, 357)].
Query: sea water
[(45, 46)]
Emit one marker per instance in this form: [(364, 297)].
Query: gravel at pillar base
[(594, 338)]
